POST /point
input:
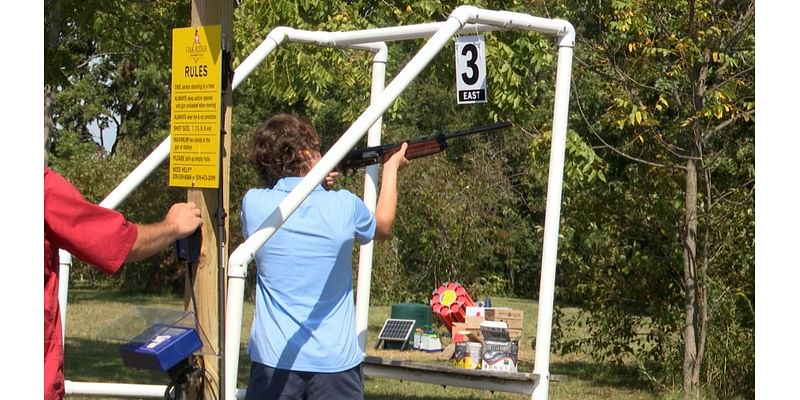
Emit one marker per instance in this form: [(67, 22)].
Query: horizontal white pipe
[(113, 389), (281, 34), (456, 378), (405, 32), (526, 22), (475, 21), (72, 388), (326, 39)]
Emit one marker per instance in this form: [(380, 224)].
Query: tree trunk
[(690, 280), (694, 308), (48, 121), (694, 331)]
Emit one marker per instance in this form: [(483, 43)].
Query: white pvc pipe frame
[(483, 20)]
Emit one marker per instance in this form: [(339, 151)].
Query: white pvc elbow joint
[(567, 37), (465, 14), (237, 264)]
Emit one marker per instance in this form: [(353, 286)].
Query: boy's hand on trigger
[(329, 179)]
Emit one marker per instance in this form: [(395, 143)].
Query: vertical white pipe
[(64, 263), (544, 323), (370, 199), (237, 271)]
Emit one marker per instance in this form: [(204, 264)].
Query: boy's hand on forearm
[(398, 160)]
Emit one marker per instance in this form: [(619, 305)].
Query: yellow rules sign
[(195, 107)]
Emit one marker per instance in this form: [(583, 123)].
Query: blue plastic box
[(160, 347)]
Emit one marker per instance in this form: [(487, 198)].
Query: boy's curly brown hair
[(277, 147)]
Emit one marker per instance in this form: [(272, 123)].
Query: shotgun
[(418, 147)]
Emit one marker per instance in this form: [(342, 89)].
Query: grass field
[(92, 356)]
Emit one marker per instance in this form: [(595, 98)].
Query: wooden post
[(210, 271)]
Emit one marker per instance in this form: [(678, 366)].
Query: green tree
[(107, 66), (667, 92)]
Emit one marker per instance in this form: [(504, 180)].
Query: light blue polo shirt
[(304, 314)]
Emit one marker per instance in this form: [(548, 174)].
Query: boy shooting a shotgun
[(303, 341)]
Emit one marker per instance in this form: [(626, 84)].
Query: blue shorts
[(272, 383)]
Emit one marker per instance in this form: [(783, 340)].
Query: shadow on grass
[(392, 389), (617, 376), (118, 296), (87, 360), (99, 361), (414, 397)]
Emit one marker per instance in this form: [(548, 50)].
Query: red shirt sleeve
[(93, 234)]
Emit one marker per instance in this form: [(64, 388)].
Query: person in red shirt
[(98, 236)]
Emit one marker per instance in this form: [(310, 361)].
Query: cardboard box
[(474, 322), (475, 311), (513, 318), (475, 335), (514, 334), (500, 313), (511, 323)]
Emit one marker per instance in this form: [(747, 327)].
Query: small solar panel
[(396, 330)]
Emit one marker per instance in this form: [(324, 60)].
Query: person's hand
[(398, 160), (328, 182), (184, 216)]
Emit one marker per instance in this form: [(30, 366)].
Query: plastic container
[(420, 313)]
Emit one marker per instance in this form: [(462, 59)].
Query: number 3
[(473, 55)]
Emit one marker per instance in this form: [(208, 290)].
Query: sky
[(109, 135)]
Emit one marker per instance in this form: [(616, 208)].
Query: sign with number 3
[(471, 69)]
